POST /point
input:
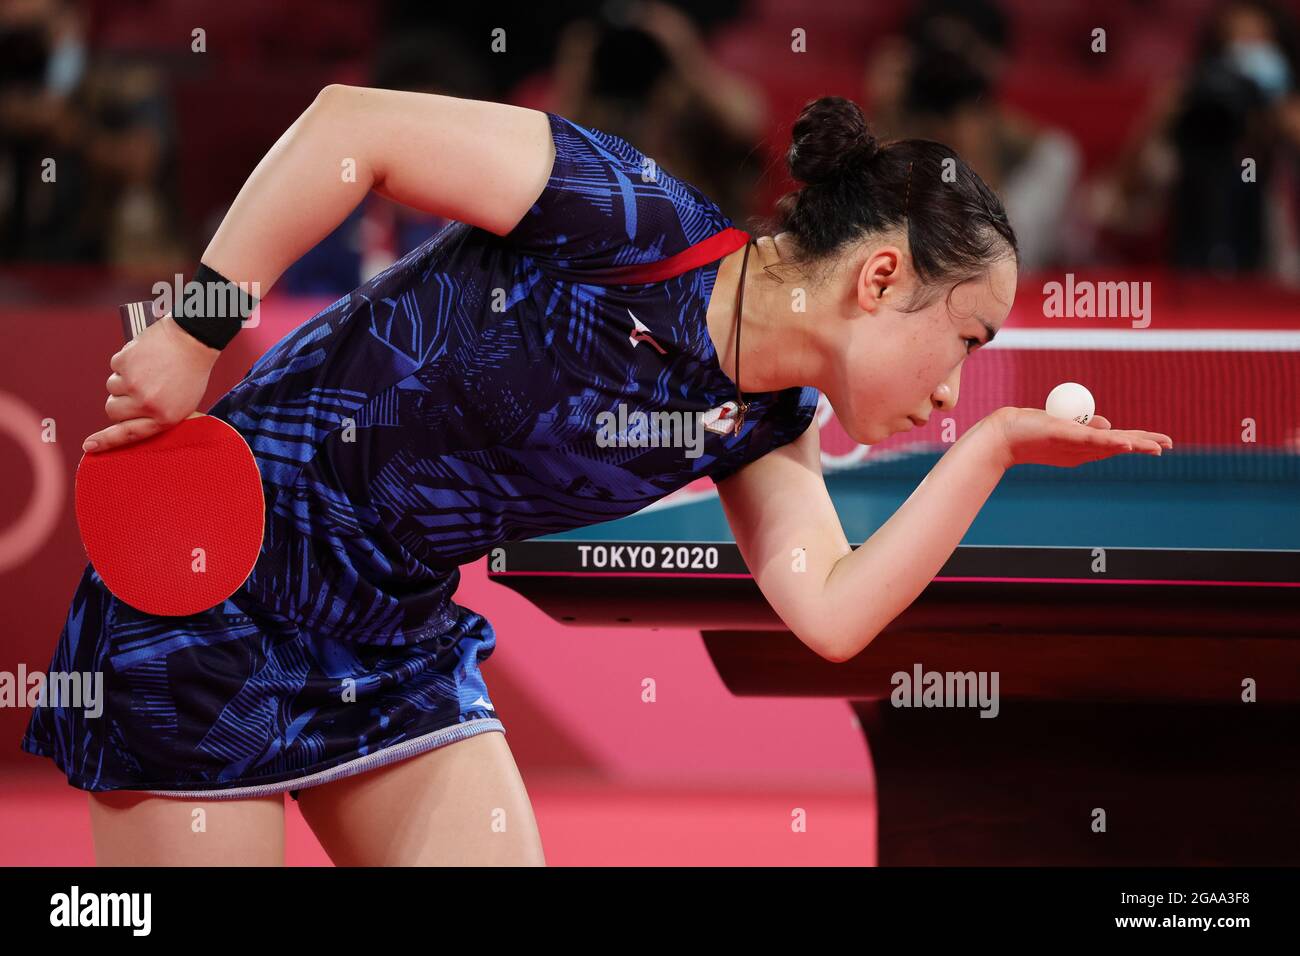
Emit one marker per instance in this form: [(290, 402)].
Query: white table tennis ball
[(1072, 401)]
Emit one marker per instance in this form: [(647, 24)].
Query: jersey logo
[(641, 333)]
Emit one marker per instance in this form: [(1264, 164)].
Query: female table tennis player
[(451, 403)]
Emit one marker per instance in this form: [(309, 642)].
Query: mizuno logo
[(640, 333)]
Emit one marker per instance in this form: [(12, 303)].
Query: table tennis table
[(1127, 606)]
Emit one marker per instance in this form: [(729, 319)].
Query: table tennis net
[(1230, 401)]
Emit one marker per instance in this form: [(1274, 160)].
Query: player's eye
[(970, 344)]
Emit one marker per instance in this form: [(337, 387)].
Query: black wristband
[(212, 308)]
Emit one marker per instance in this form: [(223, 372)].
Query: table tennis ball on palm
[(1071, 401)]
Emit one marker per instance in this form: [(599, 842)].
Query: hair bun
[(829, 138)]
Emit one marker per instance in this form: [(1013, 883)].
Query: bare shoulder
[(476, 161)]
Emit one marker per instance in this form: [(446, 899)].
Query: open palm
[(1033, 437)]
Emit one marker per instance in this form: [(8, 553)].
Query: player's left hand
[(1030, 436)]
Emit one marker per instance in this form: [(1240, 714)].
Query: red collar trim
[(706, 250)]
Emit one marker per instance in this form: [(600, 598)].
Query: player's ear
[(879, 276)]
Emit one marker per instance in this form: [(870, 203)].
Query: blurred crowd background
[(1115, 131)]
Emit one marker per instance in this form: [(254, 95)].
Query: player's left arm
[(836, 599), (789, 534)]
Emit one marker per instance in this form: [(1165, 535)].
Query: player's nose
[(944, 397)]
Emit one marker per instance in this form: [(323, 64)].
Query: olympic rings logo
[(49, 485)]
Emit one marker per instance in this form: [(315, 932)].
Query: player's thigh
[(136, 829), (463, 804)]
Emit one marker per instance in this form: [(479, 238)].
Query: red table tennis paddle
[(172, 523)]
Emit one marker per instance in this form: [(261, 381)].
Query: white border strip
[(377, 758)]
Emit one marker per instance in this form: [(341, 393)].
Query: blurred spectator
[(529, 32), (1239, 101), (638, 70), (93, 85), (940, 80), (642, 71), (102, 128)]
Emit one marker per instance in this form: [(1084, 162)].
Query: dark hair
[(856, 187)]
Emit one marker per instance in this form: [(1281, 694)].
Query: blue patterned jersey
[(456, 400), (483, 389)]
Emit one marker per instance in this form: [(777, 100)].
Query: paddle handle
[(136, 317)]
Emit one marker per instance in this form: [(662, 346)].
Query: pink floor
[(44, 822), (695, 776)]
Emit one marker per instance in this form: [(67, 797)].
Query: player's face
[(900, 365)]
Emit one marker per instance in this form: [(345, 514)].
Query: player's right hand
[(158, 381), (1030, 436)]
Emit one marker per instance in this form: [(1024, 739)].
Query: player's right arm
[(836, 599), (474, 161)]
